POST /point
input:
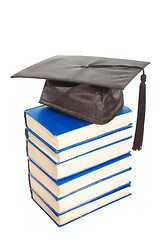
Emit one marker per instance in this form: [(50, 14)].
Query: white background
[(34, 30)]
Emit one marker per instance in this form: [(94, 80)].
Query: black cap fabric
[(86, 102), (89, 88)]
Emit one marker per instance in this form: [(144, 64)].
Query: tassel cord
[(138, 139)]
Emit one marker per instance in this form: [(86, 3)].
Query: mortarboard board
[(89, 88)]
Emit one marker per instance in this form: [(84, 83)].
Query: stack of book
[(76, 167)]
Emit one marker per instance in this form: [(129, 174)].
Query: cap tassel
[(138, 138)]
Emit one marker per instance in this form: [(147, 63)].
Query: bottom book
[(88, 207)]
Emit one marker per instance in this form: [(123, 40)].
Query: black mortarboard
[(89, 88)]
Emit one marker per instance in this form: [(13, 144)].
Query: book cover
[(57, 123), (82, 173), (65, 186), (79, 163), (76, 198), (61, 131), (84, 209), (95, 139)]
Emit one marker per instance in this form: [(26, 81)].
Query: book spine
[(25, 119), (27, 148), (29, 180)]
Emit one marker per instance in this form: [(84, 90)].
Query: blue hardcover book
[(81, 196), (79, 163), (65, 186), (61, 131), (81, 148), (83, 209)]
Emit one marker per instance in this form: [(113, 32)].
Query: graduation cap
[(89, 88)]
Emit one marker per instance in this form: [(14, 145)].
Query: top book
[(61, 131)]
